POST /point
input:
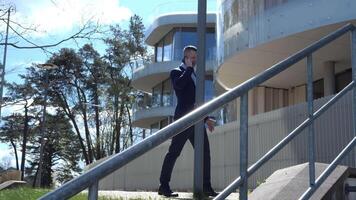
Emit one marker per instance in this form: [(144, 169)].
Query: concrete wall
[(333, 131)]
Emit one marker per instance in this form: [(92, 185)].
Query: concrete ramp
[(290, 183), (11, 184)]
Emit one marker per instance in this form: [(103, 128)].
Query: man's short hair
[(190, 48)]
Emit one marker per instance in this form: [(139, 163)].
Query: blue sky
[(58, 19)]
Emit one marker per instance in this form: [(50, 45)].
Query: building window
[(164, 48), (159, 51), (168, 47), (167, 97), (162, 94), (156, 95), (189, 36)]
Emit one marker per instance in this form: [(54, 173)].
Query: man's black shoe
[(166, 191), (210, 192)]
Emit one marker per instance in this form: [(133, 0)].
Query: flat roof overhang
[(247, 63), (165, 23)]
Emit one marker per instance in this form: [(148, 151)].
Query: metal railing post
[(311, 135), (353, 65), (244, 146), (199, 100), (93, 191)]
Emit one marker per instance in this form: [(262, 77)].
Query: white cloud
[(15, 108), (7, 153), (58, 16)]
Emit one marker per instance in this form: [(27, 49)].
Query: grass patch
[(28, 193)]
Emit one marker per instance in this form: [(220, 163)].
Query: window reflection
[(189, 37), (167, 49), (170, 47), (167, 99), (162, 94), (159, 52), (156, 96)]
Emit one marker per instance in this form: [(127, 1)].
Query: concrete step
[(290, 183), (126, 195)]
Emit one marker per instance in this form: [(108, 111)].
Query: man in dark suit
[(183, 81)]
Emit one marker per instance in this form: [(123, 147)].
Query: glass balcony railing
[(182, 6), (153, 102), (140, 63)]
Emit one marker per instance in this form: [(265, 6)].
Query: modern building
[(251, 36), (168, 35)]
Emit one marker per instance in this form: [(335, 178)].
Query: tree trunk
[(69, 114), (15, 151), (46, 179), (81, 97), (130, 124), (87, 136), (35, 178), (116, 116), (97, 125), (118, 128), (24, 143)]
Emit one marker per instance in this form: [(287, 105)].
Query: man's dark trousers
[(174, 151)]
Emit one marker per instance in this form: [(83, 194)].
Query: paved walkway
[(126, 195)]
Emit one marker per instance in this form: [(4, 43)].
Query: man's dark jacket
[(184, 87)]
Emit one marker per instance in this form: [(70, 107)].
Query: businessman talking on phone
[(183, 81)]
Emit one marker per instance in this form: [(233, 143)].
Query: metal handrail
[(254, 167), (241, 181), (91, 177)]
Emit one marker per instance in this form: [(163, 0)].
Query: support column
[(329, 78)]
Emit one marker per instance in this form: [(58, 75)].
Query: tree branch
[(81, 34)]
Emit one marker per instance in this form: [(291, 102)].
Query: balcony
[(148, 110), (171, 14), (147, 75)]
